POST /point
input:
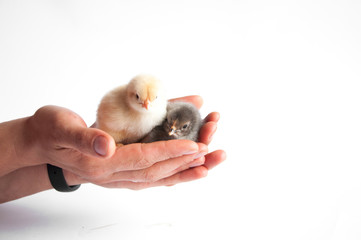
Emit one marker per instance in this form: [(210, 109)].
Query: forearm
[(12, 145), (23, 182), (20, 174), (29, 180), (20, 146)]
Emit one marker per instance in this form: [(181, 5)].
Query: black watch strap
[(57, 180)]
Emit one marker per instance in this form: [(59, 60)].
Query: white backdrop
[(285, 76)]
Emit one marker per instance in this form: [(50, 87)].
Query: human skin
[(58, 136)]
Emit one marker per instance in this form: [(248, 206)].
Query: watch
[(57, 179)]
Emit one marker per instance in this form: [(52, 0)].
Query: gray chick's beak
[(172, 132)]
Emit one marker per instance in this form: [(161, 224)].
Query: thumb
[(68, 130), (90, 141)]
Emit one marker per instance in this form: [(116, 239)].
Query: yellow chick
[(131, 111)]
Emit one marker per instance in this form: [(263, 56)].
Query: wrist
[(72, 179)]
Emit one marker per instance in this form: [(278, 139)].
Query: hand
[(188, 172), (60, 137)]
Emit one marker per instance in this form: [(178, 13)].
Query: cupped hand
[(194, 170), (60, 137)]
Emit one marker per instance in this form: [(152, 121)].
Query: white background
[(285, 76)]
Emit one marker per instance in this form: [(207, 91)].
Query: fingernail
[(190, 152), (201, 154), (101, 145)]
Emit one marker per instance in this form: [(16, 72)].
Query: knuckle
[(141, 163), (148, 154), (143, 160), (93, 173), (149, 176), (53, 122), (79, 139)]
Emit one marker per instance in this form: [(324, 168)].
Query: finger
[(209, 128), (207, 132), (195, 163), (89, 141), (68, 131), (212, 117), (140, 156), (181, 177), (209, 161), (214, 158), (185, 176), (159, 170), (194, 99)]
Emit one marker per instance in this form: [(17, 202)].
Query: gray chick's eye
[(185, 126)]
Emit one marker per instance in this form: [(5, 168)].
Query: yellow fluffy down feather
[(131, 111)]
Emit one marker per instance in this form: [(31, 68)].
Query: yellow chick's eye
[(137, 96)]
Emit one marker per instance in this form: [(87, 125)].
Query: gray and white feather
[(183, 121)]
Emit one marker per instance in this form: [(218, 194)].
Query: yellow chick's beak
[(146, 104)]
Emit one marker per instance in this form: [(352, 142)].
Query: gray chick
[(183, 121)]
